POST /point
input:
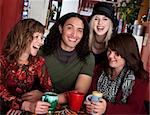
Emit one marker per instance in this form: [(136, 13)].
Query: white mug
[(94, 97)]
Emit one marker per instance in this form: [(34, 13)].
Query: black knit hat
[(104, 8)]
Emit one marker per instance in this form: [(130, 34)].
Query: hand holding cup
[(93, 100), (94, 97), (51, 98)]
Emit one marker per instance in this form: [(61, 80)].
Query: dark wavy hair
[(126, 46), (54, 37), (19, 37)]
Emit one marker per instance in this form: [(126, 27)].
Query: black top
[(101, 58)]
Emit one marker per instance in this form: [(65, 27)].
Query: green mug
[(51, 98)]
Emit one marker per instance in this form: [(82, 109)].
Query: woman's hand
[(34, 95), (89, 106), (38, 107), (97, 108), (41, 107)]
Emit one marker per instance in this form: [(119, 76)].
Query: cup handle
[(88, 98)]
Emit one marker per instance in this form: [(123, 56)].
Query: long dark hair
[(54, 37), (126, 46)]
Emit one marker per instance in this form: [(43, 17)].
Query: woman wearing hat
[(102, 22)]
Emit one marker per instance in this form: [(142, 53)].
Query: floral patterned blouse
[(17, 79)]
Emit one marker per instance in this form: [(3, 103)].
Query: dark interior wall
[(10, 14)]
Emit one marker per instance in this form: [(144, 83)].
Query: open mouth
[(112, 61), (72, 40), (35, 47), (99, 28)]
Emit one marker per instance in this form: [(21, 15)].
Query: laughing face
[(72, 33), (115, 60), (101, 24), (36, 43)]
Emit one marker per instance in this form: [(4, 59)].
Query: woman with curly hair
[(21, 67)]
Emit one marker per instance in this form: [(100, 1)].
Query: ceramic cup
[(95, 96), (75, 100), (51, 98)]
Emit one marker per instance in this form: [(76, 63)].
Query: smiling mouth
[(72, 40), (112, 61), (100, 28), (35, 47)]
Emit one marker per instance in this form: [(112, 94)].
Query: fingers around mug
[(17, 112), (87, 102), (41, 107), (99, 110), (103, 101), (41, 103), (14, 112), (89, 110), (9, 112)]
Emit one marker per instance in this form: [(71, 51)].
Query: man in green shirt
[(65, 75), (67, 55)]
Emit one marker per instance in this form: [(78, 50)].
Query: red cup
[(75, 100)]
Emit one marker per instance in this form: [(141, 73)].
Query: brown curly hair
[(19, 37)]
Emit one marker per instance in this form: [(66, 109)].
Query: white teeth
[(100, 27), (73, 40)]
